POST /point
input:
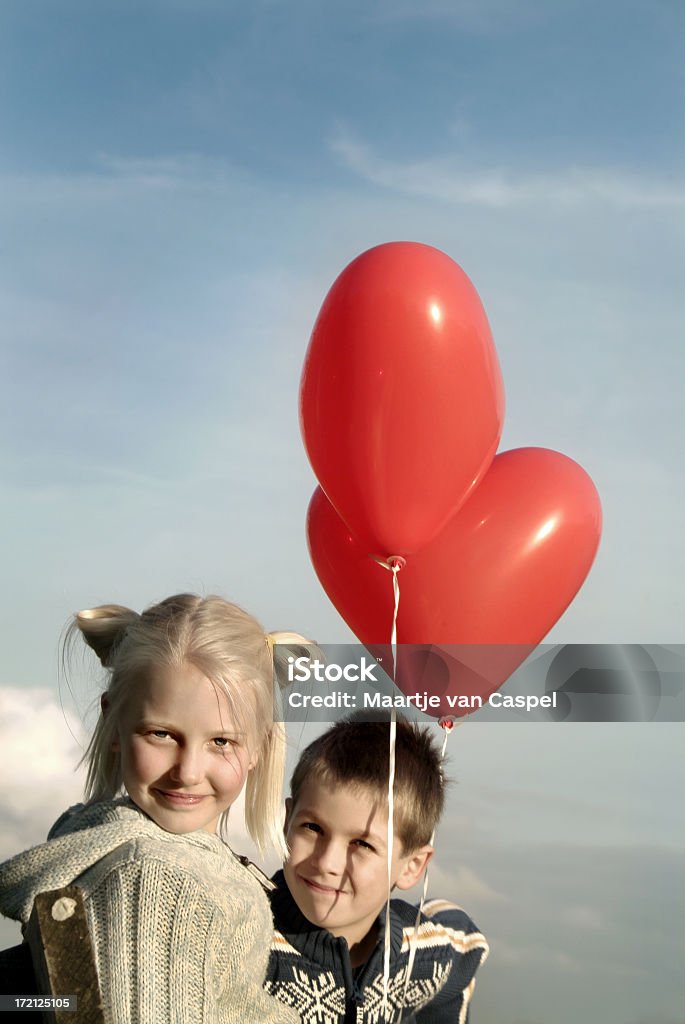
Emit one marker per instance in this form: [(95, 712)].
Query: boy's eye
[(159, 734), (364, 845)]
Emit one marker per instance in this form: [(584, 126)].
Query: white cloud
[(40, 745), (449, 180)]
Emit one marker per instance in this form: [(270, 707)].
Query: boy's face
[(337, 871)]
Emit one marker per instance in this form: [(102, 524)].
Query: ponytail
[(103, 628)]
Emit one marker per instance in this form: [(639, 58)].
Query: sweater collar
[(316, 943)]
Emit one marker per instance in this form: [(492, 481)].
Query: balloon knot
[(446, 723), (391, 562)]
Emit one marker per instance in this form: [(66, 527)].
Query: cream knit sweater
[(181, 929)]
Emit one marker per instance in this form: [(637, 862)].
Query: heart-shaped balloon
[(401, 401), (486, 591)]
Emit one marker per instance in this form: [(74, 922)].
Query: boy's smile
[(337, 871)]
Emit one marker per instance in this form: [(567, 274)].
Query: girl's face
[(182, 760)]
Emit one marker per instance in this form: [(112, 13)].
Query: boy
[(327, 957)]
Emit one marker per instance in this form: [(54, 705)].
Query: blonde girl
[(181, 928)]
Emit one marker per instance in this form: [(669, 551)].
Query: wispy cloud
[(583, 916), (109, 177), (517, 954), (450, 180), (173, 171), (461, 883)]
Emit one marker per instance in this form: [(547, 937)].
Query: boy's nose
[(329, 857)]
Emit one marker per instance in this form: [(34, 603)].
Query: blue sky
[(180, 183), (265, 83)]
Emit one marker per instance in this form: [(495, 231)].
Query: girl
[(180, 927)]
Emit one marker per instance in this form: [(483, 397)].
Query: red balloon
[(486, 591), (401, 380)]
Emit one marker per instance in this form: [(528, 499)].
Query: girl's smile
[(182, 799)]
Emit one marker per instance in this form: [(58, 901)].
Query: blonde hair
[(231, 649)]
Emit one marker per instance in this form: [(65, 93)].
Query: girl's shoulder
[(101, 812)]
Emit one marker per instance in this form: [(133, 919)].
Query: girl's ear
[(104, 707)]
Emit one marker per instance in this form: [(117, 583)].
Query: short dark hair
[(357, 754)]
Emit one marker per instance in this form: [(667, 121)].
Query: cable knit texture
[(181, 929)]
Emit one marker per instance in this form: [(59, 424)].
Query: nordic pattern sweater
[(310, 969), (181, 929)]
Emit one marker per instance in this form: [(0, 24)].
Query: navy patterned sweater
[(310, 969)]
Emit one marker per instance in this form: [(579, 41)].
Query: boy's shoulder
[(436, 911), (440, 951), (440, 928)]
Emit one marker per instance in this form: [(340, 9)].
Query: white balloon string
[(391, 815), (394, 563), (447, 725), (393, 636)]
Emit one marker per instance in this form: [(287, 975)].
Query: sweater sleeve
[(168, 949), (469, 951)]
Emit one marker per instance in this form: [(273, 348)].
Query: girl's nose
[(187, 769)]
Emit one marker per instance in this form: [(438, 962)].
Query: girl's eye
[(311, 826), (222, 742), (362, 844), (159, 734)]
